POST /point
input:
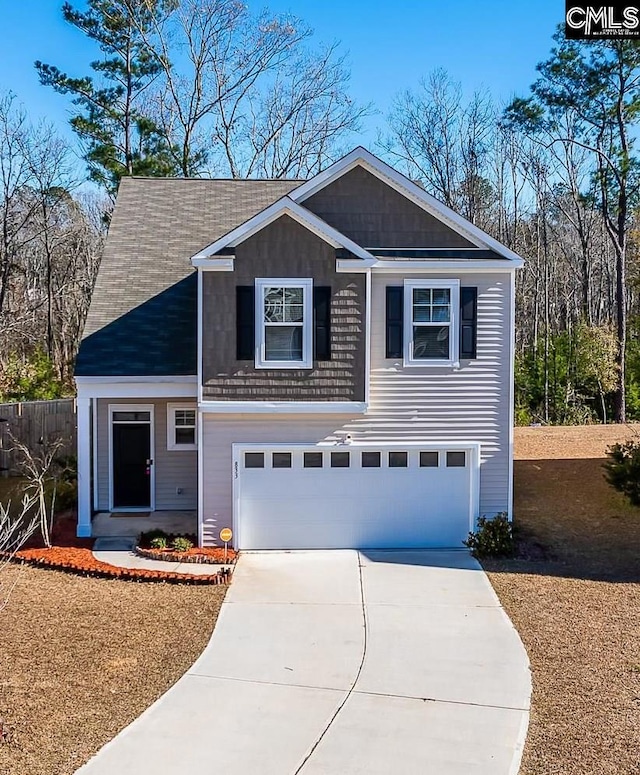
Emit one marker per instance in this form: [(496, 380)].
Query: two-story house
[(316, 364)]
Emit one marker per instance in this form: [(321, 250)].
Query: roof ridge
[(213, 180)]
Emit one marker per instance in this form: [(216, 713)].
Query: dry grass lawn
[(80, 658), (577, 606)]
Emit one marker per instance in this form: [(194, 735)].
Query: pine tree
[(117, 134)]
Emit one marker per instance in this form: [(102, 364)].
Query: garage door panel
[(354, 507)]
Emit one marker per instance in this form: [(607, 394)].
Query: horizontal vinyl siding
[(174, 468), (433, 404), (221, 431)]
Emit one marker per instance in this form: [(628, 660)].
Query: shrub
[(159, 542), (622, 469), (181, 544), (492, 538)]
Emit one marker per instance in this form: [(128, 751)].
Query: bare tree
[(50, 243), (445, 143), (15, 530), (41, 470), (245, 95)]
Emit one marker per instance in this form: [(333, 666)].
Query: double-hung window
[(431, 322), (181, 427), (284, 323)]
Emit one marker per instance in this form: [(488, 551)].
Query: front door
[(132, 459)]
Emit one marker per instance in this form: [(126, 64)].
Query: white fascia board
[(137, 387), (284, 206), (464, 265), (361, 156), (214, 264), (283, 407), (354, 265)]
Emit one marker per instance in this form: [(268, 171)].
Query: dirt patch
[(578, 614), (80, 658)]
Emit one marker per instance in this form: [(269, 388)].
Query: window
[(339, 460), (371, 460), (428, 460), (181, 427), (431, 322), (284, 323), (131, 417), (281, 460), (313, 459), (456, 459), (398, 459), (254, 459)]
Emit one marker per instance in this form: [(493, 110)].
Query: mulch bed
[(72, 554), (198, 555), (80, 658), (575, 600)]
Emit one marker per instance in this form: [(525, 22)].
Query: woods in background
[(205, 87), (554, 177)]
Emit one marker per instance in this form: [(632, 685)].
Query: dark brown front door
[(131, 465)]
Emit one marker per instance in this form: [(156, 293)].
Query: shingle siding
[(366, 209), (284, 249)]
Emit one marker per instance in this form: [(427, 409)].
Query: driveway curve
[(343, 663)]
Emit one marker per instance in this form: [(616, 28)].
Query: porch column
[(84, 467)]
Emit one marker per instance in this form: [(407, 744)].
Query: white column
[(84, 467)]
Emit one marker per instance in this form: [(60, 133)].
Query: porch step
[(114, 544)]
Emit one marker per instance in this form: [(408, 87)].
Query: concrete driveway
[(343, 662)]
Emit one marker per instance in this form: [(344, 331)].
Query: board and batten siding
[(430, 404), (174, 468)]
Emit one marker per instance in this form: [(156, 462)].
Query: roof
[(137, 312)]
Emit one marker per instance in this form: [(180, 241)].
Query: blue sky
[(493, 44)]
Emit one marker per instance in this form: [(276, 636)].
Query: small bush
[(492, 538), (181, 544), (622, 469), (159, 542)]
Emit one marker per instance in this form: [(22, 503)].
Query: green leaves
[(118, 136)]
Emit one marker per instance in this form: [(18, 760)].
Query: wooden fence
[(32, 421)]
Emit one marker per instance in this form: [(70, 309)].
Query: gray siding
[(284, 249), (373, 214), (174, 468), (406, 404)]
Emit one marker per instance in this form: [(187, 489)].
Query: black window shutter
[(468, 322), (245, 322), (321, 323), (395, 321)]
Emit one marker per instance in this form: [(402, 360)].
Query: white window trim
[(454, 287), (306, 283), (171, 427)]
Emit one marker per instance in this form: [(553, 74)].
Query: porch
[(110, 525)]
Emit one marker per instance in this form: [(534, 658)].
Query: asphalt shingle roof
[(142, 318)]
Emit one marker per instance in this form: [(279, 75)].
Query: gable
[(370, 212)]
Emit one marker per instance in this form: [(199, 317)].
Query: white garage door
[(354, 496)]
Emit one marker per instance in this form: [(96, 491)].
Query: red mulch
[(73, 554), (197, 554)]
